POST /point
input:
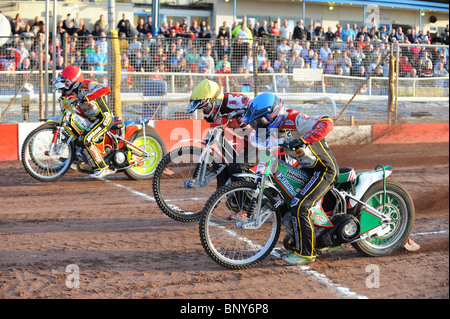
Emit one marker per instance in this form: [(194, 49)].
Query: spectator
[(97, 31), (315, 62), (405, 66), (224, 48), (296, 62), (141, 28), (59, 65), (413, 73), (223, 61), (207, 61), (98, 60), (123, 43), (127, 69), (261, 57), (102, 23), (275, 30), (299, 30), (329, 35), (84, 31), (225, 69), (263, 31), (330, 64), (194, 29), (239, 50), (441, 72), (324, 51), (134, 46), (192, 59), (123, 25), (311, 33), (247, 61), (243, 32), (282, 80), (347, 33), (224, 30), (436, 39), (24, 53), (284, 48), (345, 63), (427, 71), (285, 32), (102, 43)]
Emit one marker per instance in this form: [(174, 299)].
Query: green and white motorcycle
[(241, 222)]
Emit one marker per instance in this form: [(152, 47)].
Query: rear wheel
[(145, 167), (399, 207)]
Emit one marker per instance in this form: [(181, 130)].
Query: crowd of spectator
[(197, 48)]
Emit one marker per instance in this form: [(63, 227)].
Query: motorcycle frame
[(64, 123)]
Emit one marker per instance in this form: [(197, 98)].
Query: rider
[(209, 97), (303, 138), (89, 96)]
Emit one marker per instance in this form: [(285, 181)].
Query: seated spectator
[(194, 29), (324, 52), (83, 32), (159, 56), (192, 59), (127, 68), (223, 61), (427, 71), (330, 64), (345, 63), (225, 69), (413, 73), (97, 59), (174, 61), (140, 28), (296, 62), (206, 61), (102, 43), (405, 66), (247, 61), (134, 46), (91, 47), (283, 48), (282, 80), (261, 57), (315, 62)]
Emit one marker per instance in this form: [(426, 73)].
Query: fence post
[(391, 91), (41, 79), (255, 66), (117, 69)]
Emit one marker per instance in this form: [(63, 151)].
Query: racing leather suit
[(97, 111), (318, 161)]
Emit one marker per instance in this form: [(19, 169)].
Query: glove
[(296, 144), (80, 101)]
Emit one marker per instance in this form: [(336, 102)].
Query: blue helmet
[(265, 111)]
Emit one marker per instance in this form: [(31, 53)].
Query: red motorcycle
[(50, 150)]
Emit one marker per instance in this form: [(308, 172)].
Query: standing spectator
[(299, 30), (347, 33), (285, 32), (345, 63), (123, 25), (194, 29), (224, 48), (275, 30), (97, 31), (84, 31), (243, 32), (399, 35), (141, 28), (239, 50), (263, 31), (102, 23), (224, 30), (311, 33), (437, 39), (329, 35)]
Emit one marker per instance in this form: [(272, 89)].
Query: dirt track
[(126, 248)]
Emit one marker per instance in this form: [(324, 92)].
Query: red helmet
[(69, 79)]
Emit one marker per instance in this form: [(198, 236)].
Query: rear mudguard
[(366, 179)]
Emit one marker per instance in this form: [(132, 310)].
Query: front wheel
[(155, 149), (399, 207), (175, 185), (228, 231), (42, 162)]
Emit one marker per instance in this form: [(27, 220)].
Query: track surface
[(125, 247)]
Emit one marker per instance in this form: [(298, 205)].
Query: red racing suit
[(242, 158), (101, 117), (319, 162)]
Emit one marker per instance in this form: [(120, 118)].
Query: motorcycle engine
[(120, 158), (346, 229)]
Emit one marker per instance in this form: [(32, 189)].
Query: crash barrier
[(13, 135), (261, 65)]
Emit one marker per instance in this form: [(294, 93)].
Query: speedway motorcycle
[(50, 150), (186, 177), (241, 222)]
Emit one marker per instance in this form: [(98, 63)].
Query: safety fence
[(154, 76)]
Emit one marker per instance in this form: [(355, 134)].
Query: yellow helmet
[(207, 95)]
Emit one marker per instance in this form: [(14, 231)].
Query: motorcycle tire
[(171, 184), (36, 160), (155, 146), (399, 206), (223, 231)]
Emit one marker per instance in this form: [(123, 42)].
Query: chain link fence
[(154, 76)]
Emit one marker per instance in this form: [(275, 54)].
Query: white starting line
[(343, 291)]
